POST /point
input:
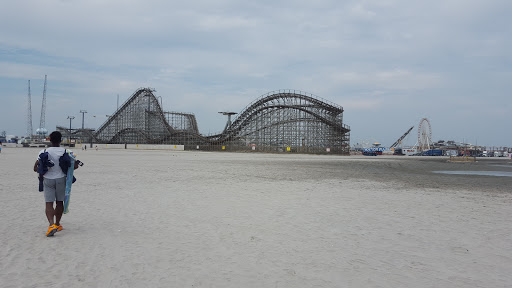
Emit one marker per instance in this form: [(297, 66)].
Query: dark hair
[(55, 137)]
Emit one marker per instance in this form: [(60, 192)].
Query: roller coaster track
[(141, 117), (141, 92), (266, 102)]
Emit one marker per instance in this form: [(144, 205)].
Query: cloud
[(359, 11), (362, 104), (396, 79), (218, 22), (392, 59)]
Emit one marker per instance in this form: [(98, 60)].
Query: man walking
[(54, 181)]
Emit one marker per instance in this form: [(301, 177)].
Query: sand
[(213, 219)]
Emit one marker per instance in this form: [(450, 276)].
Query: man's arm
[(35, 165)]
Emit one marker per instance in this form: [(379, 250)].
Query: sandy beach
[(213, 219)]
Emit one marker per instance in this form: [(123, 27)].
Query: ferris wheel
[(424, 135)]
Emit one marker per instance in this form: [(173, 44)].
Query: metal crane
[(399, 141)]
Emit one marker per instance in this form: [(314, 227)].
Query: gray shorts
[(54, 189)]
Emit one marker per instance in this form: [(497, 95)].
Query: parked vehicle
[(433, 152)]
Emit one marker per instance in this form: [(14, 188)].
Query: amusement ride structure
[(424, 136), (41, 132), (29, 113), (284, 120)]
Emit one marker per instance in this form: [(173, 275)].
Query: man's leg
[(59, 208), (50, 212), (60, 188), (49, 198)]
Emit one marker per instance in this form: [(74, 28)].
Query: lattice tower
[(29, 113), (43, 107)]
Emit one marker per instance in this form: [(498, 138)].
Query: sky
[(388, 63)]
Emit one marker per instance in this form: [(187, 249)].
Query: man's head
[(55, 137)]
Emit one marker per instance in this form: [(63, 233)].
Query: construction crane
[(399, 141)]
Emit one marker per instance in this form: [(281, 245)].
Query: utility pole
[(83, 116), (70, 118)]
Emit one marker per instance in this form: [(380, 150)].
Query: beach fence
[(11, 145), (133, 146)]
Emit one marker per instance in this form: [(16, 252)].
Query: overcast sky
[(388, 63)]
